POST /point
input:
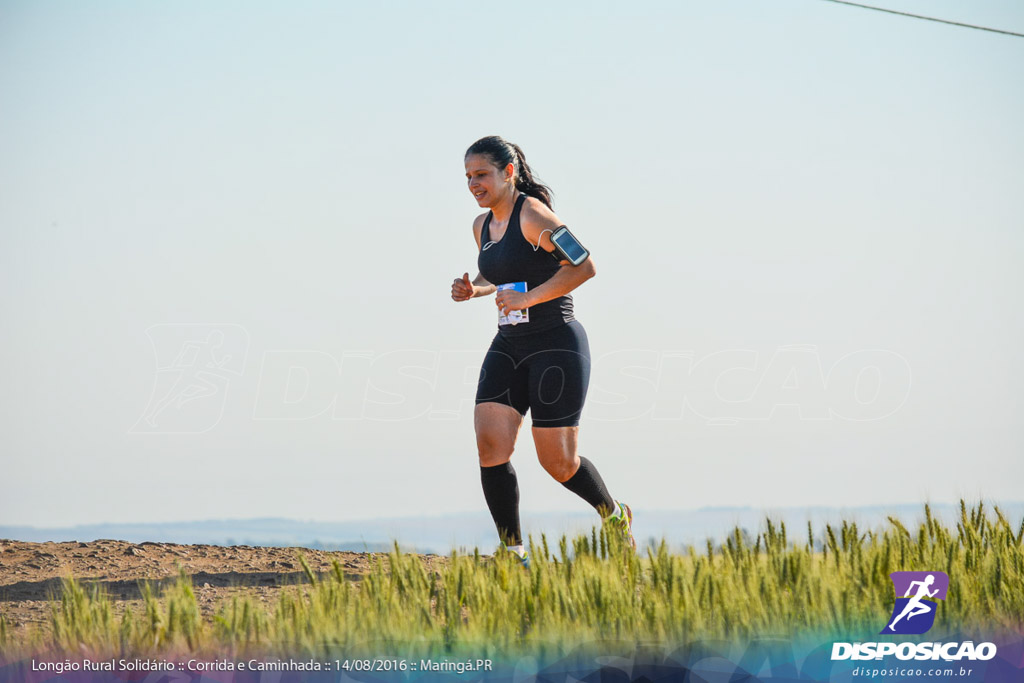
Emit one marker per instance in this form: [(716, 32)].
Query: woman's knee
[(561, 467), (493, 448), (556, 451), (496, 428)]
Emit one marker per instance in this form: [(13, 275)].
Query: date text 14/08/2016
[(458, 666)]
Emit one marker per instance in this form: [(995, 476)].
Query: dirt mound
[(31, 573)]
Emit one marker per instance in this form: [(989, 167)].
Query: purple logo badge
[(917, 594)]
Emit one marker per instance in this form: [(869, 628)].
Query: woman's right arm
[(481, 287), (462, 288)]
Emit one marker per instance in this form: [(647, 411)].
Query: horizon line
[(706, 508)]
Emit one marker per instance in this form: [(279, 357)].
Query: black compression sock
[(588, 485), (501, 489)]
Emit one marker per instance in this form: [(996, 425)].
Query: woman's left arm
[(537, 222), (568, 278)]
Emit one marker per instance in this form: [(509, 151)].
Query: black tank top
[(514, 259)]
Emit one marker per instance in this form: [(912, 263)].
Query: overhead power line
[(918, 16)]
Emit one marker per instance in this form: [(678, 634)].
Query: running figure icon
[(916, 605), (195, 364)]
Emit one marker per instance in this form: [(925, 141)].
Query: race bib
[(514, 317)]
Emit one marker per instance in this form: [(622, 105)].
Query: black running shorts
[(546, 373)]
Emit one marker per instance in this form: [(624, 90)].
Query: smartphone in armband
[(567, 247)]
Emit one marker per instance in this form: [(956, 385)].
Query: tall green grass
[(83, 620), (586, 589)]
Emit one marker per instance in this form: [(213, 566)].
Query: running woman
[(539, 359)]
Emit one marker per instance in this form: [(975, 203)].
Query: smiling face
[(488, 183)]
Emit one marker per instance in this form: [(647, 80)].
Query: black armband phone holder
[(567, 247)]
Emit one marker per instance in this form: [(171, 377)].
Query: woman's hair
[(501, 153)]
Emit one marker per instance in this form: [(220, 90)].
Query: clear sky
[(228, 233)]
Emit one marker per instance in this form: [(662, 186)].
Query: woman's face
[(487, 182)]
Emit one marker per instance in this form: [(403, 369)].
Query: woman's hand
[(463, 289), (511, 300)]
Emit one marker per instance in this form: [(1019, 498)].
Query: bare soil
[(31, 573)]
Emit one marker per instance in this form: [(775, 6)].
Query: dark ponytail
[(502, 153)]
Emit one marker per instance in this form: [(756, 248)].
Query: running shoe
[(622, 520), (522, 555)]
